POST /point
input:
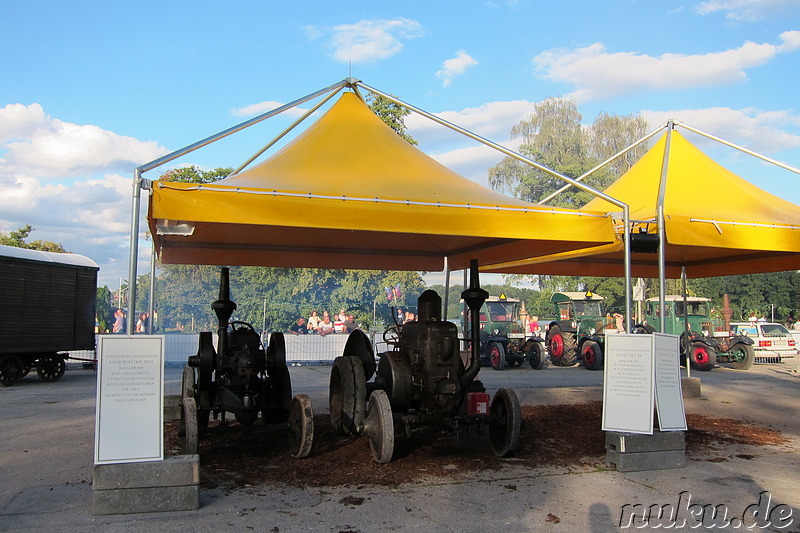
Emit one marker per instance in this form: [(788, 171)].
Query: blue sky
[(90, 90)]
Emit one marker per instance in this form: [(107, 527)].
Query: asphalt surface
[(48, 438)]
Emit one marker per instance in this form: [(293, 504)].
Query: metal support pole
[(662, 254), (685, 321), (446, 286), (133, 257), (151, 303)]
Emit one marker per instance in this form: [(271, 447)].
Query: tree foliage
[(554, 137), (18, 237), (392, 114)]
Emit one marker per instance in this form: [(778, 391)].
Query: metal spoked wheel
[(301, 426), (505, 423), (347, 395), (11, 369), (592, 355), (379, 427), (187, 382), (51, 368), (189, 424), (497, 355)]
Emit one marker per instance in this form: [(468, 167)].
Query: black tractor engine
[(242, 378), (422, 385)]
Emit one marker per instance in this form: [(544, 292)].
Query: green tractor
[(504, 342), (578, 332), (692, 321)]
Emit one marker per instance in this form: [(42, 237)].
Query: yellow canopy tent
[(350, 193), (715, 222)]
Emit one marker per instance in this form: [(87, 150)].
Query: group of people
[(340, 323), (121, 322)]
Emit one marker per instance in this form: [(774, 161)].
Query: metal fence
[(300, 349)]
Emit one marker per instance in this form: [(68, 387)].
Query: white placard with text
[(129, 418), (628, 384), (669, 396)]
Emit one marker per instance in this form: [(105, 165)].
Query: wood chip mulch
[(565, 436)]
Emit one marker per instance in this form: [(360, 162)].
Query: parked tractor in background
[(578, 332), (504, 342), (242, 378), (423, 385), (692, 321)]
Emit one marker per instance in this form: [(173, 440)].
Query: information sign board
[(628, 384), (129, 418), (669, 397)]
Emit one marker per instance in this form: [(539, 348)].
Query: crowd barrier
[(300, 349)]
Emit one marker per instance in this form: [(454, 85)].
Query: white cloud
[(597, 73), (491, 120), (262, 107), (371, 40), (766, 132), (456, 66), (38, 144), (745, 10), (60, 178)]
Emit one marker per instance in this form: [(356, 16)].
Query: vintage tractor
[(422, 386), (578, 332), (692, 321), (242, 378), (503, 341)]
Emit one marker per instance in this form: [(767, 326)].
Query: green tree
[(105, 309), (17, 238), (392, 114)]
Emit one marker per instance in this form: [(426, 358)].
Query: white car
[(772, 342)]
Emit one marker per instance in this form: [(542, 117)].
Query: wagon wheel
[(301, 426), (189, 425), (742, 356), (11, 369), (278, 395), (26, 368), (276, 352), (347, 395), (702, 357), (358, 345), (592, 355), (51, 368), (535, 355), (505, 422), (379, 427), (497, 355)]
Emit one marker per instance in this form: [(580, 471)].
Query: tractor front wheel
[(592, 355), (702, 357), (505, 423), (497, 355)]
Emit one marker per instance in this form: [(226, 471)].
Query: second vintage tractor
[(422, 386), (242, 378)]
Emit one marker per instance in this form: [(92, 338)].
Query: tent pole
[(626, 220), (133, 257), (284, 132), (499, 148), (139, 183), (740, 148), (662, 254), (446, 285), (685, 320)]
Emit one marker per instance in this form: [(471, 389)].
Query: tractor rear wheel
[(505, 423), (347, 395), (702, 357), (189, 426), (561, 346), (497, 355), (592, 355), (741, 356)]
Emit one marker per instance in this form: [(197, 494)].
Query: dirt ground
[(566, 436)]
